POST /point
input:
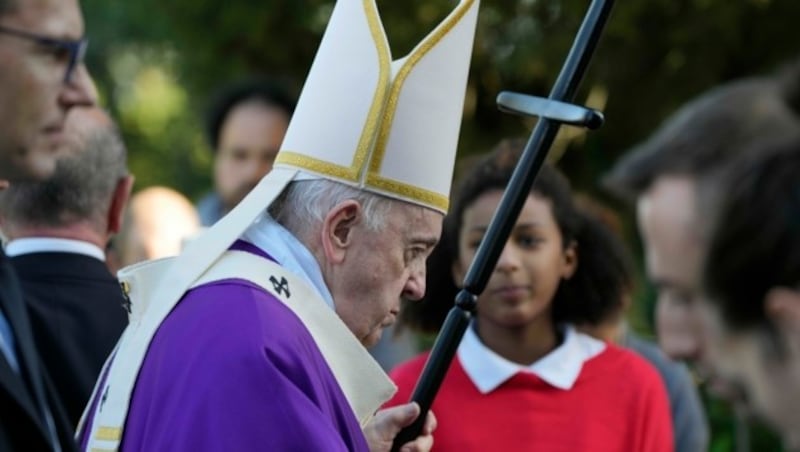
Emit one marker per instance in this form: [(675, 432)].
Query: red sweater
[(618, 403)]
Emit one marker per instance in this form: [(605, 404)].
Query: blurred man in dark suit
[(57, 230), (42, 77)]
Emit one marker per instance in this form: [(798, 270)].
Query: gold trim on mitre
[(360, 163), (379, 100), (408, 192), (354, 171), (373, 179), (322, 167)]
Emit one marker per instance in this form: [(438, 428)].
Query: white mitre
[(384, 126), (389, 127)]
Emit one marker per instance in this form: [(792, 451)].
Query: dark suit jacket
[(77, 315), (22, 422)]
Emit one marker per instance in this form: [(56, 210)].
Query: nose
[(508, 260), (415, 285), (79, 91)]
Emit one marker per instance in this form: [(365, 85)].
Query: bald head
[(157, 223)]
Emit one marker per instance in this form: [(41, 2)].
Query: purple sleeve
[(250, 409), (233, 369)]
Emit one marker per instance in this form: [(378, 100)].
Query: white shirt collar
[(559, 368), (278, 242), (30, 245)]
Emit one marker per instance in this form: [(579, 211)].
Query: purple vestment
[(233, 368)]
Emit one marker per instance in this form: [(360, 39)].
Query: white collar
[(559, 368), (30, 245), (281, 245)]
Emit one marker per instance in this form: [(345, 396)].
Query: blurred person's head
[(157, 223), (752, 279), (84, 198), (246, 125), (661, 176), (42, 79), (553, 269)]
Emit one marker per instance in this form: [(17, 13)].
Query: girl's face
[(530, 268)]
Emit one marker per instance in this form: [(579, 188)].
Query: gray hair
[(304, 205), (80, 188)]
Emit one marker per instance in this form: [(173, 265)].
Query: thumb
[(398, 418)]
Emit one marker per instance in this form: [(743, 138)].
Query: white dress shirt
[(29, 245)]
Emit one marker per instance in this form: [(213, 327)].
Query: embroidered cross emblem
[(126, 300), (280, 286)]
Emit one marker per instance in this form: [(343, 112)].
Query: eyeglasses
[(72, 50)]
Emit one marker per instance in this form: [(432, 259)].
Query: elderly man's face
[(382, 267), (33, 91)]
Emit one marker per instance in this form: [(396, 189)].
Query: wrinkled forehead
[(53, 18), (416, 220)]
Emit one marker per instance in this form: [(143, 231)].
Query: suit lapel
[(12, 383), (29, 396)]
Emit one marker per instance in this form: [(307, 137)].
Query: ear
[(338, 228), (570, 260), (782, 307), (119, 200)]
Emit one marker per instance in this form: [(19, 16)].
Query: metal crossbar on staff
[(553, 111)]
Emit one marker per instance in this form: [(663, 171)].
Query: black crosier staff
[(553, 111)]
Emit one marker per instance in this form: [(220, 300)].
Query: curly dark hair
[(593, 293)]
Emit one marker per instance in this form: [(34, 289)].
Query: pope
[(255, 336)]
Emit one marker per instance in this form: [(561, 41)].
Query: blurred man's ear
[(4, 184), (119, 200)]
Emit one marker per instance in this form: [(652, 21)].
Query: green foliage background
[(156, 63)]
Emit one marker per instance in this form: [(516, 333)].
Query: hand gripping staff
[(552, 111)]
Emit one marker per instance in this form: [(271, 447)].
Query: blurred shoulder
[(624, 362)]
